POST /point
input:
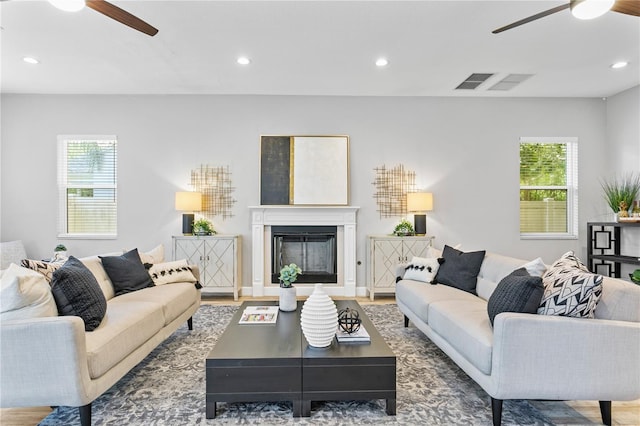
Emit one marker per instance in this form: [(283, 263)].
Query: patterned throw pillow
[(423, 269), (45, 268), (178, 271), (570, 289)]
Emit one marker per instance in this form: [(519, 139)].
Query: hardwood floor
[(559, 412)]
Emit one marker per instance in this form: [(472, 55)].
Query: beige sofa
[(529, 356), (52, 361)]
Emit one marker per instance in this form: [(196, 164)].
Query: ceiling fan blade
[(122, 16), (531, 18), (628, 7)]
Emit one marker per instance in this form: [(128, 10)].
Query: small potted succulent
[(404, 228), (635, 276), (60, 252), (203, 226), (288, 275)]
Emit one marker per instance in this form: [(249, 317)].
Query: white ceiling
[(316, 48)]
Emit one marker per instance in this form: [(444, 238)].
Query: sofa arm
[(553, 357), (44, 362)]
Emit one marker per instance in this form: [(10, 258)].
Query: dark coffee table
[(273, 362)]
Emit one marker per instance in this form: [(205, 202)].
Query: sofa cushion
[(423, 269), (171, 272), (94, 264), (174, 299), (569, 290), (460, 269), (25, 294), (619, 301), (127, 273), (126, 326), (42, 267), (77, 293), (418, 296), (464, 324), (155, 255), (517, 292), (11, 252)]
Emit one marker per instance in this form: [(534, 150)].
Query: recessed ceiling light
[(620, 64), (30, 60), (382, 62), (243, 60)]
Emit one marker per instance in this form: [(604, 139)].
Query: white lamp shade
[(189, 201), (589, 9), (419, 201)]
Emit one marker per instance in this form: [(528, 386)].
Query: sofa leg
[(190, 323), (496, 409), (85, 415), (605, 411), (406, 321)]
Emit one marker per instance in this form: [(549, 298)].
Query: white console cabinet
[(385, 253), (218, 257)]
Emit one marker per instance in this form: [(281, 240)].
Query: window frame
[(571, 187), (63, 186)]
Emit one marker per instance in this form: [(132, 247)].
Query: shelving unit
[(603, 247)]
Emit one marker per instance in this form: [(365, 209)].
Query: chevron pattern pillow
[(570, 289)]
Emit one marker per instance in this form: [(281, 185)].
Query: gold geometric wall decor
[(214, 183), (392, 186)]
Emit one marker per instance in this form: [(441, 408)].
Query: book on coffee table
[(259, 315), (360, 335)]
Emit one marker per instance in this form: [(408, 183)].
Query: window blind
[(87, 176)]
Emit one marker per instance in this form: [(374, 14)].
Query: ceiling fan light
[(589, 9), (68, 5)]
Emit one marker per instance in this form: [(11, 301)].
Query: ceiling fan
[(108, 9), (582, 9)]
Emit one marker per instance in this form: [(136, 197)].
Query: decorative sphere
[(349, 320)]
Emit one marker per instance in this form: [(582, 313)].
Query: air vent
[(510, 81), (473, 81)]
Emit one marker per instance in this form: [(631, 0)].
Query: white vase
[(319, 318), (287, 300)]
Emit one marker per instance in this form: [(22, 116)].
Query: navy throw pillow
[(126, 272), (460, 269), (77, 293)]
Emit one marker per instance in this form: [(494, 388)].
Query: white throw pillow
[(422, 269), (153, 256), (177, 271), (25, 294), (535, 268)]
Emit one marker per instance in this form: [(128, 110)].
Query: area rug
[(168, 387)]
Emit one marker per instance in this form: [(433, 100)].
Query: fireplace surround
[(343, 218)]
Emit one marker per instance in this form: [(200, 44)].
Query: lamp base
[(187, 223), (420, 224)]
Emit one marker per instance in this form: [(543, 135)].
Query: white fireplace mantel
[(263, 216)]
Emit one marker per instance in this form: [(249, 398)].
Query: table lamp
[(188, 202), (418, 203)]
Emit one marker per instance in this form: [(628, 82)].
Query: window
[(87, 181), (549, 188)]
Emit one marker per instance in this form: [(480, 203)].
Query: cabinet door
[(220, 263), (414, 247), (190, 249), (386, 256)]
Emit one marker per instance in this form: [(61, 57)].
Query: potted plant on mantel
[(620, 192), (288, 275)]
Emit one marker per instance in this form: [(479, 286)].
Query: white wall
[(623, 153), (464, 150)]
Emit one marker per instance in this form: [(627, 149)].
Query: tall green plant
[(624, 188)]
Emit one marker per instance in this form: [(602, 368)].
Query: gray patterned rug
[(168, 387)]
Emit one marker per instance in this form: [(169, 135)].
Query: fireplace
[(265, 218), (312, 248)]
